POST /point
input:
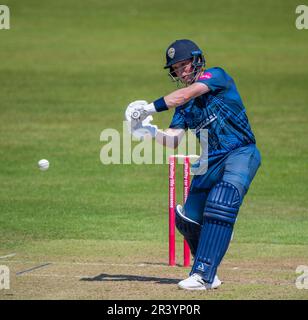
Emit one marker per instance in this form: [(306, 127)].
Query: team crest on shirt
[(206, 75), (171, 53)]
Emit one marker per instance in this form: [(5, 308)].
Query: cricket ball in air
[(43, 164)]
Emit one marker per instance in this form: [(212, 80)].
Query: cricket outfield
[(84, 230)]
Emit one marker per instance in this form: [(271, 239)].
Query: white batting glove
[(145, 130), (139, 110), (139, 121), (133, 108)]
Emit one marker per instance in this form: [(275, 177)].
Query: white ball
[(43, 164)]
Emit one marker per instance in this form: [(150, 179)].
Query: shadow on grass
[(129, 277)]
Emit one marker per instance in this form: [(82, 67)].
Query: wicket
[(172, 205)]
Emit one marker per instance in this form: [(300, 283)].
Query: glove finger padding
[(139, 128), (137, 103), (133, 106)]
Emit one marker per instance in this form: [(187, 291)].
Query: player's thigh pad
[(241, 166), (220, 215), (189, 229)]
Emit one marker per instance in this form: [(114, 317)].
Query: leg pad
[(220, 214)]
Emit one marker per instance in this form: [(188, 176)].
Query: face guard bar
[(198, 63)]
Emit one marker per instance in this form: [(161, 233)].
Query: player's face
[(184, 71)]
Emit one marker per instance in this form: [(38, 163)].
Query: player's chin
[(184, 80)]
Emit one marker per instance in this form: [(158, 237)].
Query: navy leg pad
[(189, 229), (220, 215)]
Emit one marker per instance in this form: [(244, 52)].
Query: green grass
[(68, 70)]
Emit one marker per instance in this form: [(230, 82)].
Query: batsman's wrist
[(160, 105)]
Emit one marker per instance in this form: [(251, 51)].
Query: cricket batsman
[(208, 99)]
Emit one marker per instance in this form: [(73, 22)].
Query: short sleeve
[(215, 78), (178, 120)]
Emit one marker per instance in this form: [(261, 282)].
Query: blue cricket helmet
[(181, 50)]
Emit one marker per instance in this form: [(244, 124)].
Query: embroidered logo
[(200, 267), (171, 53), (206, 75)]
